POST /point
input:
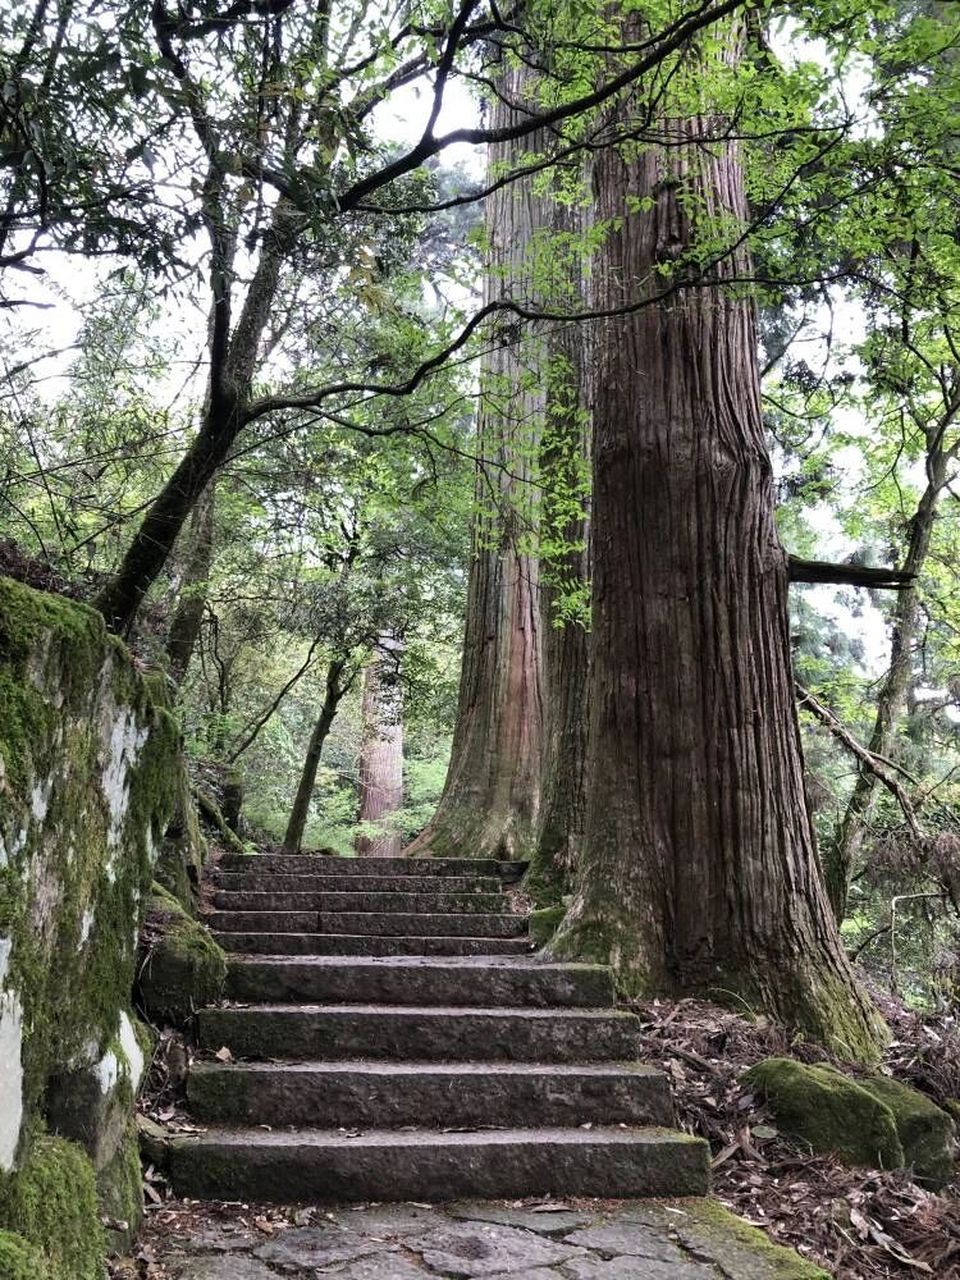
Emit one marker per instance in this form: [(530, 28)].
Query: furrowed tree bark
[(336, 687), (188, 616), (381, 751), (840, 862), (491, 796), (699, 872), (564, 457)]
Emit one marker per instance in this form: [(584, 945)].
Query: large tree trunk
[(381, 751), (698, 870), (491, 797), (334, 691), (841, 861), (188, 616), (565, 639)]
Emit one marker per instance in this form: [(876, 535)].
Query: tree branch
[(853, 575), (866, 758)]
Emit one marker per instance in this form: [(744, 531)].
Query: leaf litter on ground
[(859, 1224)]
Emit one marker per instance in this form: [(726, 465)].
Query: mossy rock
[(120, 1193), (926, 1132), (20, 1260), (182, 968), (832, 1113), (545, 923), (52, 1203)]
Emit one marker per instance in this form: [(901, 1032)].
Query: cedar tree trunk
[(491, 796), (381, 751), (698, 870), (564, 458)]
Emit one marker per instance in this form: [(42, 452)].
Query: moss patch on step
[(545, 923), (741, 1250)]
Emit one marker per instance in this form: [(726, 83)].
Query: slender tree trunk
[(293, 837), (381, 751), (233, 360), (185, 627), (841, 861), (699, 871), (564, 458), (491, 797)]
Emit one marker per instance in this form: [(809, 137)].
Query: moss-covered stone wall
[(88, 766)]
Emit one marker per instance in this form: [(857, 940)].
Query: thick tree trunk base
[(806, 999)]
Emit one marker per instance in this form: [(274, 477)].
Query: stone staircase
[(393, 1038)]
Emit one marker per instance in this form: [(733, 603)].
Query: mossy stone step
[(483, 981), (394, 924), (283, 882), (397, 903), (331, 944), (416, 1034), (384, 1165), (394, 1095), (312, 864)]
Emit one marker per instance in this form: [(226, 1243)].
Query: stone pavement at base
[(600, 1240)]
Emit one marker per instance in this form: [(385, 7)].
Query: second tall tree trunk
[(699, 871)]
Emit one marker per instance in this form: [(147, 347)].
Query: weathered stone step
[(395, 924), (328, 944), (393, 1095), (263, 921), (282, 882), (422, 980), (313, 864), (320, 1165), (398, 1033), (396, 903)]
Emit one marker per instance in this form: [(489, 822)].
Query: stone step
[(281, 882), (395, 924), (329, 1166), (329, 944), (397, 1033), (396, 903), (421, 980), (312, 864), (393, 1095)]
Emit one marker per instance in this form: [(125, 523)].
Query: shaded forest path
[(391, 1037)]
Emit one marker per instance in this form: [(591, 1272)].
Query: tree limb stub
[(852, 575)]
